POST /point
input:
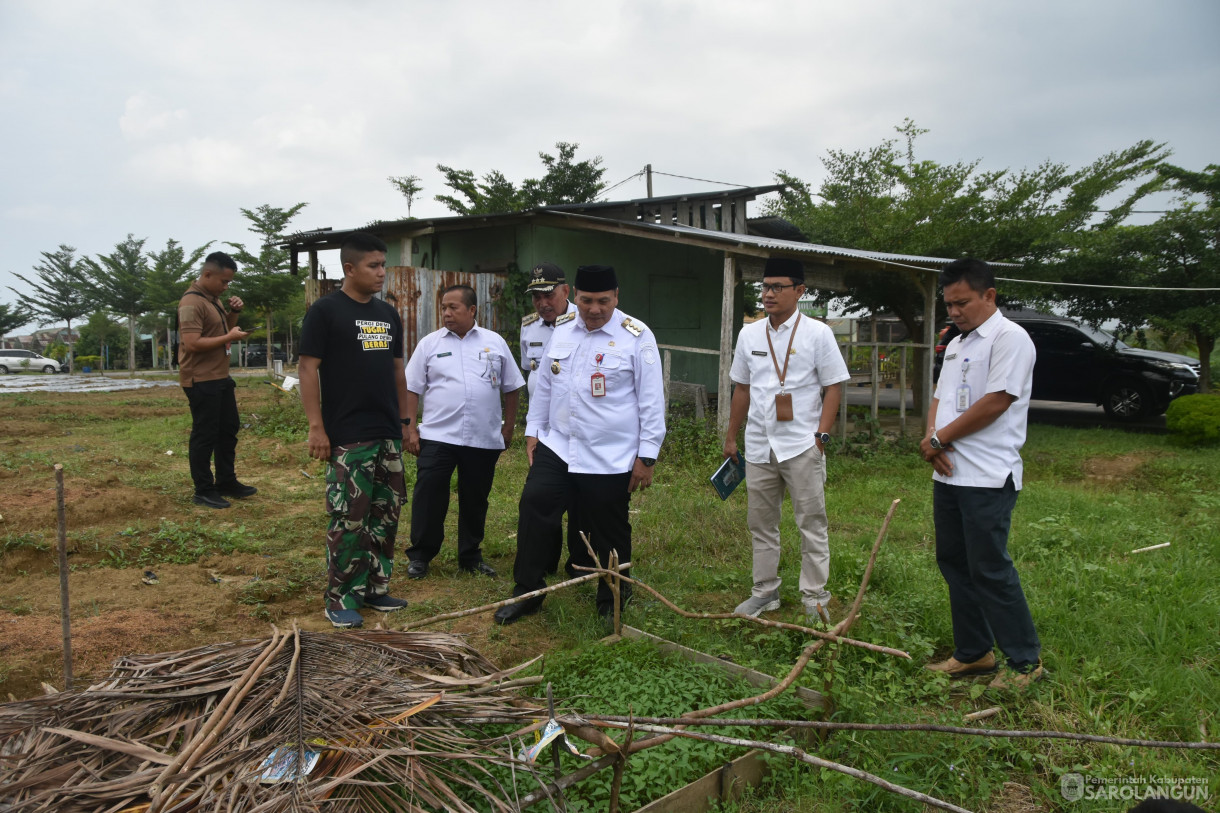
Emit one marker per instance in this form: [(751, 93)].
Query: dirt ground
[(120, 486)]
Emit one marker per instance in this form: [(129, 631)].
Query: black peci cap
[(785, 267), (596, 278)]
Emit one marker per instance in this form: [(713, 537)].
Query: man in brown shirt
[(206, 330)]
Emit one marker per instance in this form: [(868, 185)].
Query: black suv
[(256, 355), (1079, 363)]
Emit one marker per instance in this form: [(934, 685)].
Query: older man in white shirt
[(461, 370), (593, 433), (787, 369)]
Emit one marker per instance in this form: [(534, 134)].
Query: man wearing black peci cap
[(595, 427), (787, 370), (548, 288)]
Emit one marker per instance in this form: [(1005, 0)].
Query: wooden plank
[(683, 349), (725, 784), (723, 387), (808, 697)]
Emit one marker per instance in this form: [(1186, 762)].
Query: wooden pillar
[(723, 389), (313, 263), (928, 283)]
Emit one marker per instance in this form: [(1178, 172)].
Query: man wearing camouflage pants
[(354, 391)]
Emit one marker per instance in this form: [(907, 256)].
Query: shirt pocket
[(604, 358)]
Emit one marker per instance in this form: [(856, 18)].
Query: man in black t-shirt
[(354, 390)]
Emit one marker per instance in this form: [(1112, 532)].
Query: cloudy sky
[(163, 118)]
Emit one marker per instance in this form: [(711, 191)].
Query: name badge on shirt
[(442, 355), (757, 353), (597, 382)]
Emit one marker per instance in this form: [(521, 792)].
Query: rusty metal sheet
[(416, 293)]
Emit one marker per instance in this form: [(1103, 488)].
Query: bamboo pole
[(64, 603)]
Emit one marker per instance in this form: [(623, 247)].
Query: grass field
[(1130, 640)]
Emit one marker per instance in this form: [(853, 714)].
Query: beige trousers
[(803, 477)]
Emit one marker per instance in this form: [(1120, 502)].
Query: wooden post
[(845, 349), (723, 395), (902, 393), (929, 340), (667, 370), (64, 604)]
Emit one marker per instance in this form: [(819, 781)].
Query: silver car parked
[(14, 361)]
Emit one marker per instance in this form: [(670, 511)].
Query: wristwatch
[(406, 421), (648, 461), (934, 441), (824, 437)]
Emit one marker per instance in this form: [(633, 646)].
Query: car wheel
[(1126, 400), (3, 370), (50, 368)]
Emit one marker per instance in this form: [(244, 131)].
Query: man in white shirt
[(593, 433), (788, 372), (974, 440), (461, 370), (548, 288)]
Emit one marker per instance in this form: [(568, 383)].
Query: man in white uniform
[(593, 433), (549, 290), (787, 369), (974, 444), (461, 370)]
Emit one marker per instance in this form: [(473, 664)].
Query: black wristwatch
[(823, 436), (648, 461), (934, 441), (406, 421)]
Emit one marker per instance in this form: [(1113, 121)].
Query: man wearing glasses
[(787, 369)]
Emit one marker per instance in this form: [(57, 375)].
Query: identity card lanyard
[(783, 400), (963, 391), (597, 381)]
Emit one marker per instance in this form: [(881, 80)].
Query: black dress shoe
[(481, 569), (211, 499), (515, 612), (236, 489), (417, 569)]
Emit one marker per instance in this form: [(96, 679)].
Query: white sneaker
[(755, 606)]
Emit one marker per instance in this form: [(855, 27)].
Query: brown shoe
[(955, 668), (1014, 681)]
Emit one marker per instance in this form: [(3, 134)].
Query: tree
[(60, 293), (885, 199), (13, 317), (98, 333), (409, 186), (264, 280), (565, 181), (168, 279), (1180, 250), (119, 281)]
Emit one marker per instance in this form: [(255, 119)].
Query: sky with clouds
[(163, 118)]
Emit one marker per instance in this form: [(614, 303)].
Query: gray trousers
[(803, 477)]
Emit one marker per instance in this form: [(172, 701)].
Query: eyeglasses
[(776, 287)]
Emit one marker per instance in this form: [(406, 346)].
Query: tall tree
[(565, 181), (1180, 250), (59, 295), (98, 333), (264, 280), (119, 281), (168, 279), (408, 185), (13, 317), (886, 199)]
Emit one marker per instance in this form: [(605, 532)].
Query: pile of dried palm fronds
[(398, 720)]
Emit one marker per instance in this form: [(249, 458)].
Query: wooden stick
[(64, 604), (514, 600), (1152, 547), (982, 715), (620, 721)]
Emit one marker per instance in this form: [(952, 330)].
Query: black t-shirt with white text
[(357, 343)]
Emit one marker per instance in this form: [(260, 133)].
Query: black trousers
[(986, 601), (598, 506), (214, 425), (476, 469)]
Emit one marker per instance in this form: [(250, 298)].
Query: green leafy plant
[(1194, 420)]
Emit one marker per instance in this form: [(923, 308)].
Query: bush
[(1194, 420), (86, 361)]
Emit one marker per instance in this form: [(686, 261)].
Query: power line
[(620, 183), (701, 180), (1090, 285)]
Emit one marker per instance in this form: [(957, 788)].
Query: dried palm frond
[(400, 722)]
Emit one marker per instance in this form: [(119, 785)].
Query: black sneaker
[(385, 604), (211, 499), (237, 490), (345, 619)]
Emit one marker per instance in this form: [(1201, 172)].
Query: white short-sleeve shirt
[(461, 380), (813, 363), (997, 356)]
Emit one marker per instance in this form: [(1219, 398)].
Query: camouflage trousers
[(364, 494)]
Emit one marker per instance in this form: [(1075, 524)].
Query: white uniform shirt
[(599, 434), (461, 380), (534, 338), (815, 362), (997, 356)]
